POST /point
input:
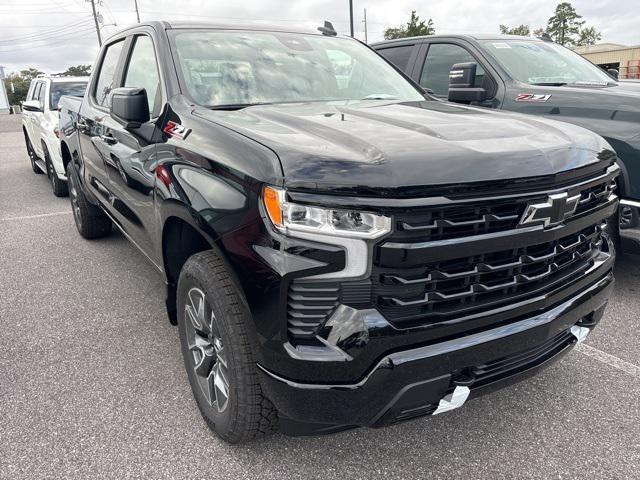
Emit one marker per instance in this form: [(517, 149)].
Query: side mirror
[(613, 72), (32, 106), (129, 106), (462, 89)]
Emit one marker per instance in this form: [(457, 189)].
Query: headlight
[(292, 217)]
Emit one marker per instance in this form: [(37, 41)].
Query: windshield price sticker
[(501, 45), (531, 97)]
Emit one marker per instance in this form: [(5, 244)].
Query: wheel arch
[(66, 154), (181, 238)]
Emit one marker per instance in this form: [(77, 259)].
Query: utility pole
[(351, 16), (95, 19), (365, 26), (137, 11)]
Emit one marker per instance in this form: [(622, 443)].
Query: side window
[(32, 89), (142, 72), (399, 56), (36, 91), (41, 93), (106, 76), (440, 58)]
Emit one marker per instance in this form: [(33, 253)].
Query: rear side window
[(142, 72), (106, 77), (440, 58), (36, 91), (72, 89), (41, 92), (399, 56)]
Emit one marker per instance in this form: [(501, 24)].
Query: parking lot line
[(609, 359), (28, 217)]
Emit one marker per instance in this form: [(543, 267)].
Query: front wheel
[(212, 322)]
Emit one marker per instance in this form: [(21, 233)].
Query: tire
[(60, 188), (212, 323), (32, 156), (91, 222)]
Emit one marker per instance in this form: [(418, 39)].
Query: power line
[(61, 42), (46, 33)]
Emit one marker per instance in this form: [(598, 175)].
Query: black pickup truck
[(537, 77), (339, 250)]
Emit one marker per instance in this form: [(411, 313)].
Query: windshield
[(75, 89), (222, 68), (535, 62)]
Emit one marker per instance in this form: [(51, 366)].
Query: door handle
[(108, 139)]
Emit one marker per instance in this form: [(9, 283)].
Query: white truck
[(40, 126)]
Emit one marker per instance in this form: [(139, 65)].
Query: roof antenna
[(328, 29)]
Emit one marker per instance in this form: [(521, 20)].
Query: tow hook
[(459, 396), (580, 333)]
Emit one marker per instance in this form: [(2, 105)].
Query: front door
[(132, 153)]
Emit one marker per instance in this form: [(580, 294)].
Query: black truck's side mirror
[(462, 89), (613, 72), (129, 106)]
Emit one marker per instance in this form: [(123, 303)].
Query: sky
[(52, 35)]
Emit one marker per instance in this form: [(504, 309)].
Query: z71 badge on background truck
[(339, 250), (536, 77)]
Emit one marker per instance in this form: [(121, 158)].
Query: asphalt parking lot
[(92, 383)]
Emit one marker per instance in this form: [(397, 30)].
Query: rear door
[(26, 114), (37, 118), (131, 165), (95, 124), (402, 56)]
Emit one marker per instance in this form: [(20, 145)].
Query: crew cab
[(40, 126), (339, 249), (537, 77)]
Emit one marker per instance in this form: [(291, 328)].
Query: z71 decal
[(530, 97), (174, 129)]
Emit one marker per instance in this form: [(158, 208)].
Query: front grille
[(505, 366), (442, 290), (479, 218)]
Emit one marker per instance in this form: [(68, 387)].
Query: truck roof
[(467, 36), (248, 25)]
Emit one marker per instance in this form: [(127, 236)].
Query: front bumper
[(629, 226), (414, 382)]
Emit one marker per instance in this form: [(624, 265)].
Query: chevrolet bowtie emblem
[(555, 210)]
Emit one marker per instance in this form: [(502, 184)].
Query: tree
[(17, 84), (77, 71), (414, 28), (538, 32), (589, 36), (565, 24), (522, 30)]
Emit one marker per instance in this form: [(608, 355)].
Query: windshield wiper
[(236, 106), (380, 96), (550, 84)]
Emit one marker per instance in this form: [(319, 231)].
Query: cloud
[(54, 35)]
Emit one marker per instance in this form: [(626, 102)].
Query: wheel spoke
[(195, 309), (221, 387)]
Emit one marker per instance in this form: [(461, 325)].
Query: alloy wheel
[(207, 350)]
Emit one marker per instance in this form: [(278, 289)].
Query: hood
[(389, 145)]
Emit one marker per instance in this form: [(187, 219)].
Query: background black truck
[(537, 77), (338, 250)]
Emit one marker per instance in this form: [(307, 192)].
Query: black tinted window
[(399, 56), (142, 72), (106, 77), (66, 88), (440, 58), (35, 91)]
